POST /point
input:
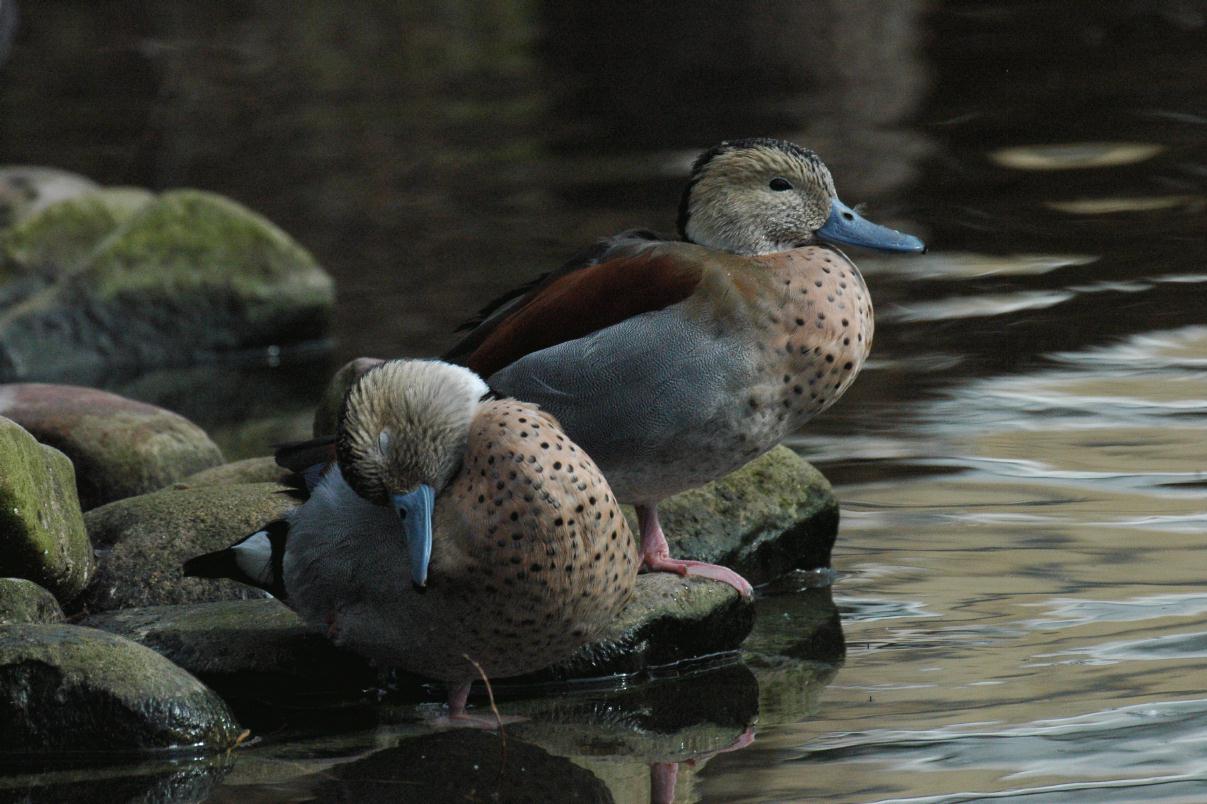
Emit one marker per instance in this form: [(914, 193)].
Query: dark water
[(1021, 467)]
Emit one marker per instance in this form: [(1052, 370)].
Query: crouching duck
[(454, 528)]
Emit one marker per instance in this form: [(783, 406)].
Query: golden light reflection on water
[(1111, 206), (1075, 156), (1049, 596)]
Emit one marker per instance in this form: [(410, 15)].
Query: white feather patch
[(253, 555)]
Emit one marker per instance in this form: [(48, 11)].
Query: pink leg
[(457, 696), (656, 555), (663, 776), (458, 717)]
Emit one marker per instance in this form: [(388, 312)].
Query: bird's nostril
[(848, 216)]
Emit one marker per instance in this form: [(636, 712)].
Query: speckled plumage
[(531, 558), (675, 362)]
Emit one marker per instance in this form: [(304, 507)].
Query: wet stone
[(261, 644), (120, 447), (219, 277), (249, 470), (143, 541), (669, 619), (250, 646), (28, 189), (42, 535), (23, 601), (775, 514), (67, 688)]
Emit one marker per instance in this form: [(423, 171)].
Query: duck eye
[(779, 184)]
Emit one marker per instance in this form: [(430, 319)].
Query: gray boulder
[(28, 189), (257, 645), (262, 644), (143, 541), (669, 619), (187, 276), (23, 601), (42, 534), (248, 470), (120, 447), (66, 688), (775, 514)]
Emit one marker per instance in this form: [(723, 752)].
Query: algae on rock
[(23, 601), (146, 539), (66, 688), (120, 447), (185, 276), (42, 535)]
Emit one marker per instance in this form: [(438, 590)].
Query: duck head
[(757, 196), (401, 437)]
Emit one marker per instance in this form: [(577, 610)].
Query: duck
[(674, 361), (457, 533)]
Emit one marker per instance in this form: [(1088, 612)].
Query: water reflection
[(1020, 465)]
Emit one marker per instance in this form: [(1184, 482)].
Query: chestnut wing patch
[(579, 303)]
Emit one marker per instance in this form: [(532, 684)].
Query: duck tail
[(256, 560)]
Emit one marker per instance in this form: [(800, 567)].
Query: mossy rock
[(775, 514), (23, 601), (669, 619), (57, 241), (120, 447), (144, 541), (262, 645), (42, 535), (69, 689), (253, 646), (28, 189), (249, 470), (189, 275)]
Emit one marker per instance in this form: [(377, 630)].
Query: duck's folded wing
[(256, 560), (638, 277), (307, 459)]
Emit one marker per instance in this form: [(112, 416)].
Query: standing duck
[(674, 362), (453, 527)]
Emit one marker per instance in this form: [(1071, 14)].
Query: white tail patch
[(253, 555)]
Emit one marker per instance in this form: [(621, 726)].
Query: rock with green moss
[(262, 645), (775, 514), (254, 646), (669, 619), (186, 276), (55, 243), (248, 470), (143, 541), (23, 601), (64, 688), (42, 535), (120, 447), (28, 189)]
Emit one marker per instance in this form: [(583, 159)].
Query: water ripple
[(1073, 612), (980, 306), (1165, 738)]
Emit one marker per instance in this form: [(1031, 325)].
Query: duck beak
[(415, 511), (847, 227)]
